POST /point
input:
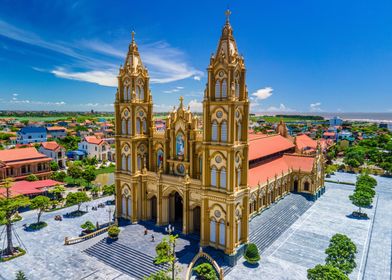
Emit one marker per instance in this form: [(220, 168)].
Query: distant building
[(55, 151), (57, 132), (32, 189), (335, 121), (20, 163), (95, 147), (329, 135), (31, 134)]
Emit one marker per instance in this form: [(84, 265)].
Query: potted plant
[(113, 232), (252, 255)]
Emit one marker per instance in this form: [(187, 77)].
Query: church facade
[(202, 174)]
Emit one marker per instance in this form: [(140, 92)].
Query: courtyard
[(297, 244)]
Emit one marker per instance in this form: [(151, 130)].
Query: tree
[(41, 203), (77, 198), (108, 189), (59, 176), (75, 171), (326, 272), (166, 252), (160, 275), (341, 253), (94, 191), (361, 198), (89, 174), (20, 275), (9, 206), (32, 177), (252, 253), (54, 166), (57, 192), (205, 271)]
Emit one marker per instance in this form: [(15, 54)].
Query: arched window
[(239, 230), (224, 131), (159, 158), (238, 177), (138, 92), (137, 126), (129, 127), (129, 207), (180, 144), (213, 176), (141, 93), (237, 89), (239, 130), (144, 126), (201, 165), (222, 233), (124, 206), (306, 186), (125, 93), (123, 126), (222, 178), (224, 89), (123, 162), (139, 163), (214, 131), (217, 89), (212, 231), (129, 164)]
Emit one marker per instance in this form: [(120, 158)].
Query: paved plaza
[(48, 258), (289, 256), (302, 246)]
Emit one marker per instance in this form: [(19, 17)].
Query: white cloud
[(315, 107), (176, 89), (162, 108), (165, 63), (103, 78), (15, 94), (263, 93), (197, 78), (280, 108), (196, 106)]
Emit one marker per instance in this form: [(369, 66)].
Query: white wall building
[(95, 147)]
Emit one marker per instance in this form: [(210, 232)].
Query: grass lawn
[(82, 182), (109, 169)]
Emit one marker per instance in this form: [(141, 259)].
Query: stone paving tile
[(302, 246), (48, 258)]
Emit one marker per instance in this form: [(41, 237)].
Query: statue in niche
[(180, 146)]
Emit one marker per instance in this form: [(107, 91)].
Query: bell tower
[(225, 147), (133, 111)]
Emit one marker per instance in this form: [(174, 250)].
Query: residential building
[(56, 132), (19, 163), (55, 151), (95, 147), (335, 121), (31, 134)]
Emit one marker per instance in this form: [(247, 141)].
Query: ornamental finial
[(133, 36), (181, 100), (228, 13)]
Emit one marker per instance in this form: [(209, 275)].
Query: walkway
[(302, 246), (48, 258)]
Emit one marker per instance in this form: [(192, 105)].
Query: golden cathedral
[(209, 175)]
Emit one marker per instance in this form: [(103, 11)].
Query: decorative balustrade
[(74, 240)]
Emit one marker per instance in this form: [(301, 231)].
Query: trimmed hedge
[(252, 253)]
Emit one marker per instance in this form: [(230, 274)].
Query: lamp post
[(170, 229), (110, 210)]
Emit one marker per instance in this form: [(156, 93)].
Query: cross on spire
[(228, 13), (181, 100), (133, 36)]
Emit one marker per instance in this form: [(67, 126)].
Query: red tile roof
[(93, 140), (17, 155), (51, 145), (327, 133), (303, 141), (268, 170), (30, 188), (50, 128), (261, 145)]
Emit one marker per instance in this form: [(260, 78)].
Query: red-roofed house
[(31, 188), (19, 163), (95, 147), (55, 151), (57, 131)]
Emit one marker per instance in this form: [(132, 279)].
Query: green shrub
[(114, 231), (20, 275), (32, 178), (88, 226), (252, 253), (326, 272), (341, 253), (37, 226), (205, 271)]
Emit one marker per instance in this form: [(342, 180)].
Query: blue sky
[(301, 56)]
